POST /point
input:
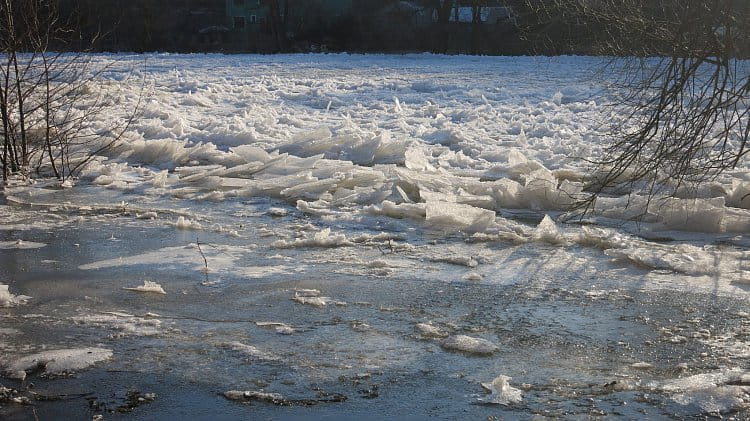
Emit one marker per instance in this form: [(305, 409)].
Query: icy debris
[(502, 393), (251, 351), (124, 324), (9, 300), (312, 297), (403, 210), (56, 362), (458, 217), (383, 237), (715, 392), (253, 395), (307, 292), (148, 286), (147, 215), (323, 238), (313, 301), (468, 261), (183, 223), (469, 345), (8, 395), (20, 245), (641, 365), (684, 258), (547, 232), (379, 264), (277, 212), (316, 301), (280, 328), (415, 158), (428, 330), (473, 276)]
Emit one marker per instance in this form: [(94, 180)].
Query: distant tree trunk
[(476, 25), (444, 9), (278, 22)]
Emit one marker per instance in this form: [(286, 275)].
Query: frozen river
[(290, 237)]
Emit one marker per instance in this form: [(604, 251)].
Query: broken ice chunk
[(430, 331), (280, 328), (251, 351), (252, 395), (183, 223), (148, 286), (323, 239), (547, 232), (9, 300), (502, 392), (312, 297), (458, 217), (468, 344), (473, 276), (277, 212), (641, 365)]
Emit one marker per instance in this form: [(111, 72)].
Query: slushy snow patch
[(468, 344), (9, 300), (148, 286), (502, 393), (57, 362)]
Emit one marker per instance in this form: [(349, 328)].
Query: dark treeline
[(443, 26), (269, 26)]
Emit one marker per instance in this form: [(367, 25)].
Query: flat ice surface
[(384, 229)]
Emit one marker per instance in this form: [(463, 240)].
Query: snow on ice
[(56, 362)]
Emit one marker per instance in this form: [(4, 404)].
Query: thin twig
[(205, 261)]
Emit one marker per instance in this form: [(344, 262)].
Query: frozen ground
[(330, 236)]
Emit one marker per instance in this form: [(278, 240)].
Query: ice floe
[(56, 362), (148, 286), (469, 345)]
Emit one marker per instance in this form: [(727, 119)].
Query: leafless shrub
[(48, 95), (681, 88)]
